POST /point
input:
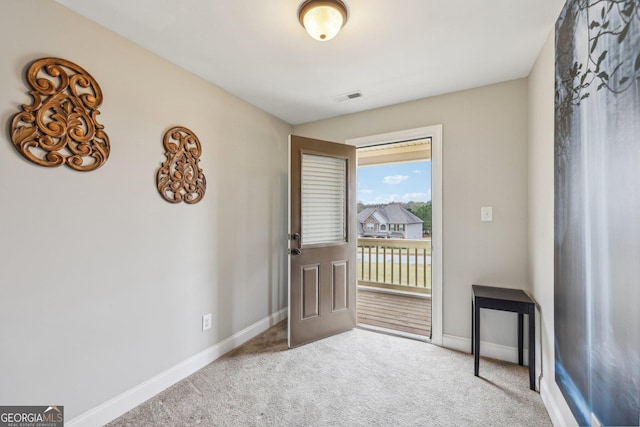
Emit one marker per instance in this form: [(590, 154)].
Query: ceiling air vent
[(347, 96)]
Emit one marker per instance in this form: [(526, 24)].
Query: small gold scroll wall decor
[(60, 126), (179, 178)]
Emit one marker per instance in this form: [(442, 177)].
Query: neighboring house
[(390, 222)]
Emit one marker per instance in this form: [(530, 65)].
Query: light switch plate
[(486, 213), (206, 322)]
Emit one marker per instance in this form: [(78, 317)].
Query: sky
[(402, 182)]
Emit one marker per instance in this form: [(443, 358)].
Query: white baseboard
[(128, 400), (487, 349), (550, 404), (557, 407)]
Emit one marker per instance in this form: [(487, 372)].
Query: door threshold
[(394, 292), (393, 332)]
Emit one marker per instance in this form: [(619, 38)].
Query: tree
[(423, 211)]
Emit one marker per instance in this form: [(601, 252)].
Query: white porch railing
[(397, 264)]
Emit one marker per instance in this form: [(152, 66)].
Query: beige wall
[(485, 164), (541, 244), (103, 283)]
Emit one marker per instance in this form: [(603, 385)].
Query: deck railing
[(395, 264)]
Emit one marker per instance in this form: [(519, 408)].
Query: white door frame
[(435, 133)]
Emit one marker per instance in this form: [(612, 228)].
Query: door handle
[(296, 236), (296, 251)]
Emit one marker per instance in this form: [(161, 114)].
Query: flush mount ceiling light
[(322, 19)]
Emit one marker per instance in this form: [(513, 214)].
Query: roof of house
[(393, 214)]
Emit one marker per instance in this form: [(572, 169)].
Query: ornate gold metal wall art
[(180, 178), (60, 126)]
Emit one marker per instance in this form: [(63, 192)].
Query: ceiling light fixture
[(322, 19)]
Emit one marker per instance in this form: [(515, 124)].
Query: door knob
[(296, 251)]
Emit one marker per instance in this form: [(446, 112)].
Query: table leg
[(472, 325), (520, 338), (532, 347), (476, 339)]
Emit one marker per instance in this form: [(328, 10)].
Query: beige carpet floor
[(358, 378)]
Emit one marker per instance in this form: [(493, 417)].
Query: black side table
[(514, 300)]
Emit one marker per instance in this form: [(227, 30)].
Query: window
[(383, 227), (400, 227), (370, 227), (324, 204), (392, 227)]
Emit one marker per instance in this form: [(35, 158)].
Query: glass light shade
[(322, 20)]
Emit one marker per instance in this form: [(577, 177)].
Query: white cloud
[(366, 191), (380, 200), (394, 179), (369, 199), (416, 197), (417, 171)]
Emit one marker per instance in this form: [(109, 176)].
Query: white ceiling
[(390, 50)]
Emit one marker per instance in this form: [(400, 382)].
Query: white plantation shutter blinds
[(323, 199)]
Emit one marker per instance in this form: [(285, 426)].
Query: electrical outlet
[(486, 213), (206, 322)]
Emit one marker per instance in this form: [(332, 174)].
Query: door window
[(323, 200)]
